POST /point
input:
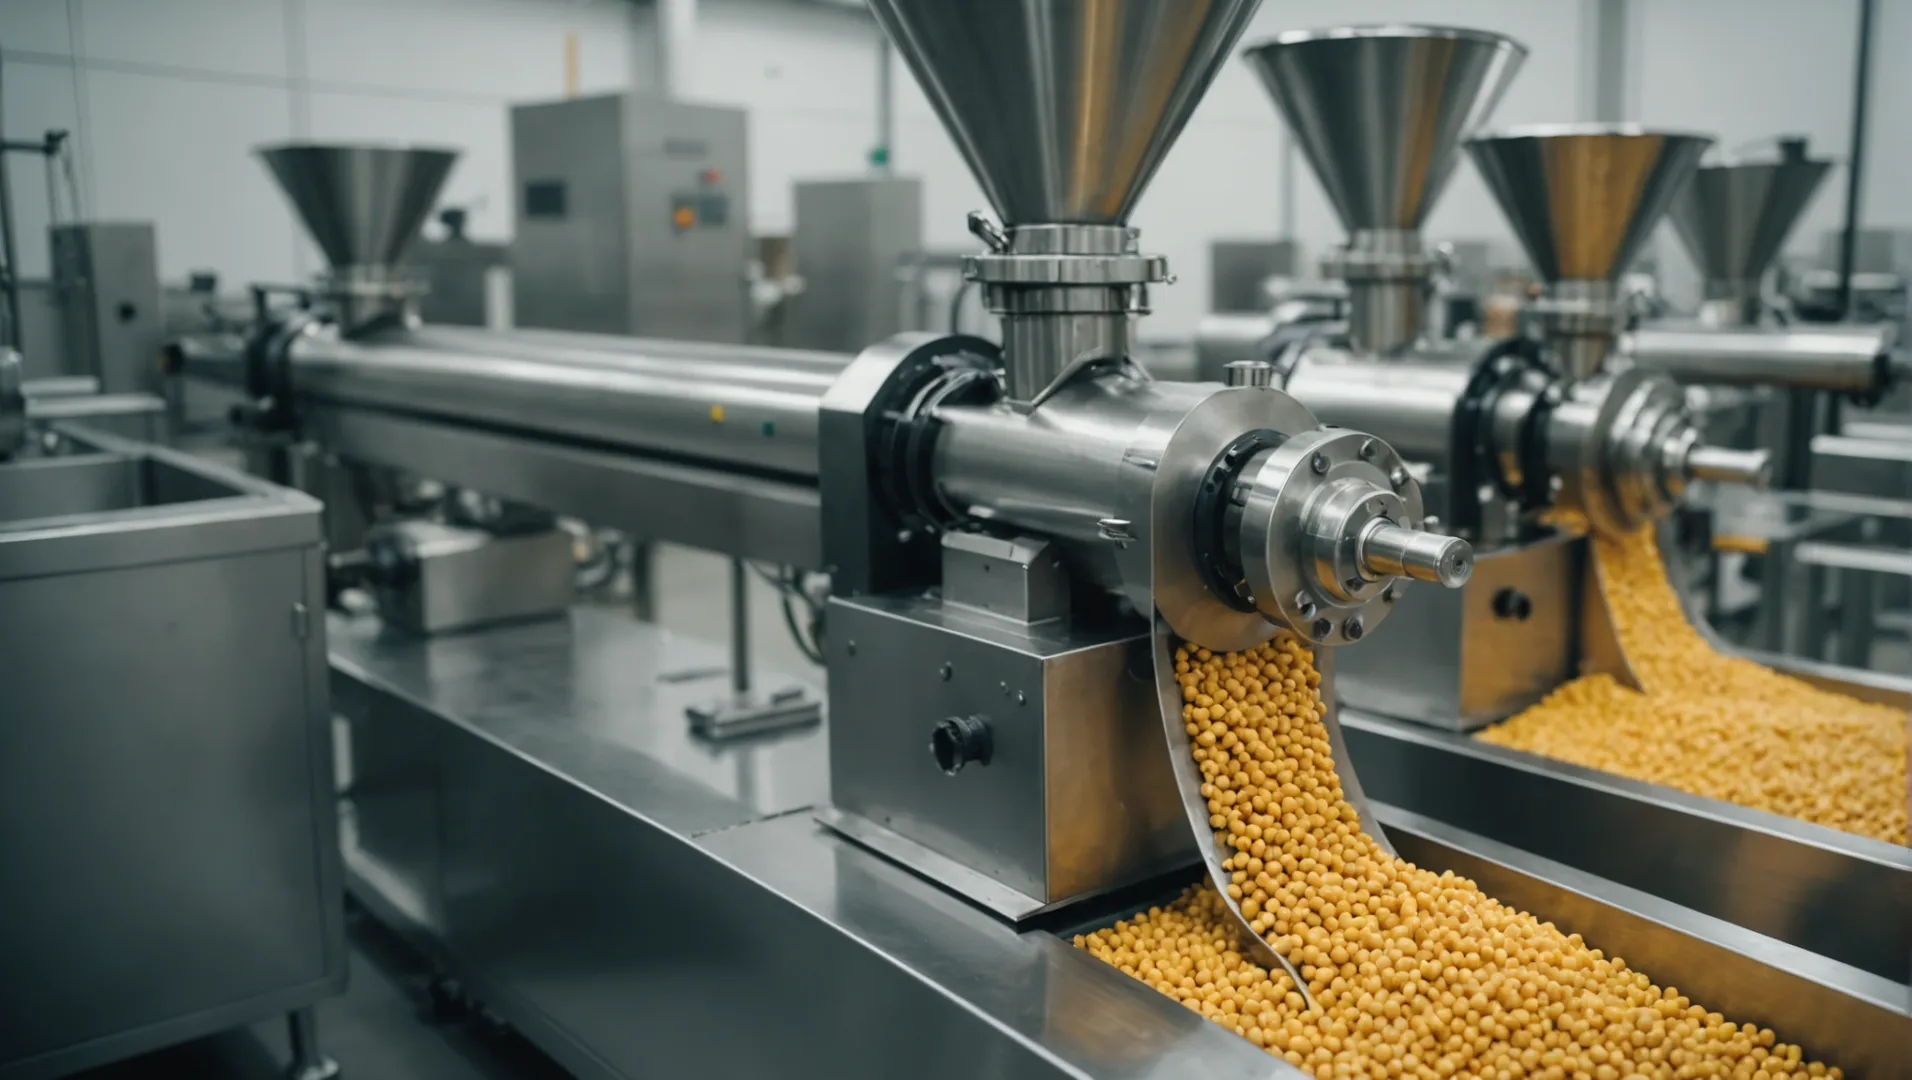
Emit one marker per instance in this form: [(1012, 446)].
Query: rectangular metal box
[(632, 217), (460, 272), (168, 833), (1463, 658), (852, 241), (1077, 796), (43, 352), (106, 283), (1237, 269), (451, 577)]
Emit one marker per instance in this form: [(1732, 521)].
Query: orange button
[(684, 218)]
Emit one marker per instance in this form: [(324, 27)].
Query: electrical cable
[(956, 306), (789, 587), (809, 650)]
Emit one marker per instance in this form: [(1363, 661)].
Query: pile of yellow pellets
[(1411, 973), (1717, 726)]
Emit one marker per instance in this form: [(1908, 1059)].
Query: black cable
[(814, 654), (10, 284), (788, 588)]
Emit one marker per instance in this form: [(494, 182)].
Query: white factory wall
[(168, 98), (170, 95)]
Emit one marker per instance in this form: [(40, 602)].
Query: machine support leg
[(1858, 611), (643, 558), (746, 711), (1774, 595), (1815, 626), (739, 628), (1801, 424), (302, 1030)]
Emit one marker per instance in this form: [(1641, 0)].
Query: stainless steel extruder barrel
[(729, 405), (711, 446), (1857, 360)]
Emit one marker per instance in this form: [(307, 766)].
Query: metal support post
[(745, 711), (302, 1031)]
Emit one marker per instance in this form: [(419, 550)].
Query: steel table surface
[(641, 902)]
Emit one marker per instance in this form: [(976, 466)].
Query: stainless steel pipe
[(747, 407), (1846, 359), (1721, 465)]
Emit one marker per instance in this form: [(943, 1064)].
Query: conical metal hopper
[(1583, 198), (362, 204), (1063, 108), (1380, 110), (1734, 218)]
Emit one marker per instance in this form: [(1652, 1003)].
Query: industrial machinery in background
[(857, 269), (82, 344), (1762, 376), (1511, 435), (468, 282), (853, 247), (1526, 445), (98, 315), (343, 393), (1882, 269), (1248, 277), (632, 217), (97, 270), (167, 811)]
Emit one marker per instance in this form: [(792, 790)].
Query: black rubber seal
[(1473, 431), (1223, 576), (907, 432)]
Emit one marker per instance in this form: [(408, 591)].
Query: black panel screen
[(544, 199)]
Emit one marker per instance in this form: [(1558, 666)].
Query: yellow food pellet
[(1718, 726), (1412, 973)]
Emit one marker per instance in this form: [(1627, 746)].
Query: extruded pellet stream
[(1405, 971)]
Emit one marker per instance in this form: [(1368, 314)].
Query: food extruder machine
[(1012, 535), (1507, 432), (1753, 377), (1767, 379)]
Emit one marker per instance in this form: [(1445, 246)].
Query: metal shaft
[(1721, 465), (1388, 550)]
